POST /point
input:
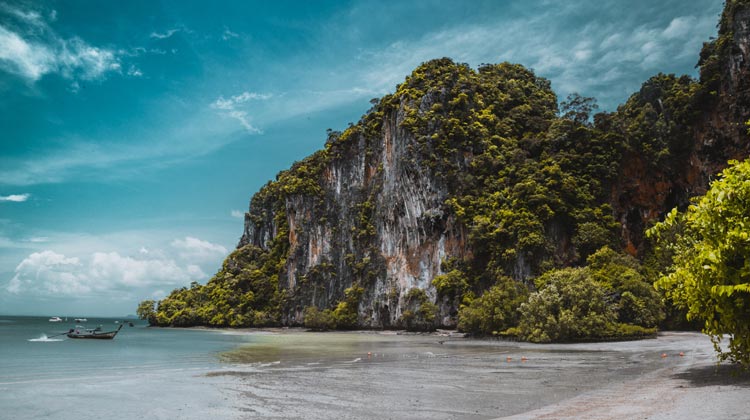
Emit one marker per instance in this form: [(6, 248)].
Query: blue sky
[(134, 133)]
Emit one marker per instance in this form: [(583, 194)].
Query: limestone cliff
[(377, 219), (378, 216), (463, 179), (715, 132)]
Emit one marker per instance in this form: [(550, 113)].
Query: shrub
[(346, 313), (710, 272), (316, 319), (634, 298), (570, 307), (496, 310), (420, 313)]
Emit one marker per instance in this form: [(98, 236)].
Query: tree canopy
[(710, 273)]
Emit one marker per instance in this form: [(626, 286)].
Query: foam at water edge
[(45, 339)]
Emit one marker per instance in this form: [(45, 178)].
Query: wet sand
[(296, 375)]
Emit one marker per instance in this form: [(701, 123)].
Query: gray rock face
[(379, 222)]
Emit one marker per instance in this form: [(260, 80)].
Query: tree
[(570, 306), (710, 272), (578, 108), (318, 320), (495, 311), (146, 310), (634, 298)]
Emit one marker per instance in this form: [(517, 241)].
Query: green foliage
[(714, 55), (346, 313), (146, 310), (570, 307), (657, 121), (452, 284), (530, 173), (710, 274), (578, 108), (318, 320), (243, 293), (609, 298), (532, 187), (591, 236), (633, 297), (495, 311), (420, 313)]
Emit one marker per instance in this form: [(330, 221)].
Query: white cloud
[(679, 27), (233, 101), (14, 198), (134, 71), (23, 58), (48, 273), (39, 50), (130, 272), (76, 56), (230, 108), (164, 35), (238, 214), (197, 250), (32, 16), (576, 59), (227, 35)]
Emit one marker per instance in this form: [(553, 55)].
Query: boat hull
[(93, 334), (102, 336)]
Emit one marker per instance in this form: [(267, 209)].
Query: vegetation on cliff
[(534, 189), (709, 245), (554, 202)]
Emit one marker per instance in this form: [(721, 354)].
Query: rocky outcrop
[(475, 175), (716, 134), (378, 220)]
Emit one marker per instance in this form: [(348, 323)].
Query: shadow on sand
[(715, 375)]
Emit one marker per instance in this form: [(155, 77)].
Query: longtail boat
[(97, 333)]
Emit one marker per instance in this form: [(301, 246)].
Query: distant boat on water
[(96, 333), (81, 320), (55, 319)]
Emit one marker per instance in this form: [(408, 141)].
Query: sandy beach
[(386, 376), (688, 387)]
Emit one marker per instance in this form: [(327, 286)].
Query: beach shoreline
[(486, 379)]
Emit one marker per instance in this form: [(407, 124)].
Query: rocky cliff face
[(715, 133), (465, 179), (377, 215), (378, 220)]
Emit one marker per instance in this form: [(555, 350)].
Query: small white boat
[(55, 319), (81, 319)]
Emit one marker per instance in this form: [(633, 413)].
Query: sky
[(133, 134)]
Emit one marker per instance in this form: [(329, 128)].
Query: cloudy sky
[(134, 133)]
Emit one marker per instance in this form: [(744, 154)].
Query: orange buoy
[(508, 359), (682, 354), (663, 355), (523, 358)]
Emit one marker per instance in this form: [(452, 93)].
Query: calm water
[(153, 373), (142, 373)]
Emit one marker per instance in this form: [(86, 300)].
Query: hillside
[(469, 192)]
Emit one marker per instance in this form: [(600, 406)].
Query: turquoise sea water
[(142, 373), (155, 373)]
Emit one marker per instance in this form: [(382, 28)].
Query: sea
[(144, 373), (164, 373)]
